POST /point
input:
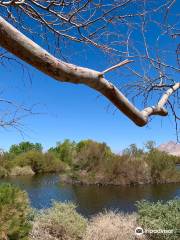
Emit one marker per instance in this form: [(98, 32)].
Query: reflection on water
[(91, 199)]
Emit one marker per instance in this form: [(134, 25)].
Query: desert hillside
[(170, 147)]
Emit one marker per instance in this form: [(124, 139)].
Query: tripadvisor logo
[(139, 231)]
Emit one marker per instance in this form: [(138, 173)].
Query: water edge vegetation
[(91, 162), (18, 221)]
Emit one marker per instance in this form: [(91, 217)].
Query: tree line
[(88, 161)]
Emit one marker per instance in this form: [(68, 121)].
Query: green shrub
[(65, 151), (59, 222), (91, 155), (160, 216), (40, 162), (32, 158), (14, 212), (53, 164), (161, 165), (25, 147), (6, 161)]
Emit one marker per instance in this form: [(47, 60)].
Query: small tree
[(65, 151), (133, 151), (14, 213), (150, 145)]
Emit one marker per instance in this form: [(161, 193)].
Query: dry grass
[(112, 226), (48, 230), (21, 171), (61, 222)]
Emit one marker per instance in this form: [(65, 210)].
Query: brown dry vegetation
[(94, 163), (90, 162), (68, 225), (112, 226), (21, 171), (61, 222)]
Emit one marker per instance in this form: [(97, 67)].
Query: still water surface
[(91, 199)]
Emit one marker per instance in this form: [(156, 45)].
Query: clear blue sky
[(72, 111)]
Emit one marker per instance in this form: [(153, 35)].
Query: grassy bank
[(62, 222), (90, 162)]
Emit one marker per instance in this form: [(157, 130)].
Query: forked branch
[(17, 43)]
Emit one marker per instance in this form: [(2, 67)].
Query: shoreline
[(64, 178)]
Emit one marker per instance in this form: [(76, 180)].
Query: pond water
[(178, 166), (43, 189)]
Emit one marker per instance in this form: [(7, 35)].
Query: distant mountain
[(171, 148)]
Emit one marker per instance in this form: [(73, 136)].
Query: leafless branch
[(121, 29)]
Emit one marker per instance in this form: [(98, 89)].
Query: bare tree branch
[(24, 48), (137, 31)]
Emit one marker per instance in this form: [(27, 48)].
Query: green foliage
[(127, 170), (40, 162), (25, 147), (92, 161), (161, 163), (91, 155), (64, 151), (160, 216), (6, 161), (31, 158), (53, 164), (14, 212), (59, 222)]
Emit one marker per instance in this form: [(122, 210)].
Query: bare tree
[(139, 37)]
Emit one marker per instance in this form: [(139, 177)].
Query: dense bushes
[(111, 225), (62, 222), (14, 213), (53, 164), (31, 158), (94, 163), (90, 155), (64, 151), (33, 161), (128, 170), (91, 162), (163, 166), (22, 171), (39, 162), (59, 222), (160, 216)]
